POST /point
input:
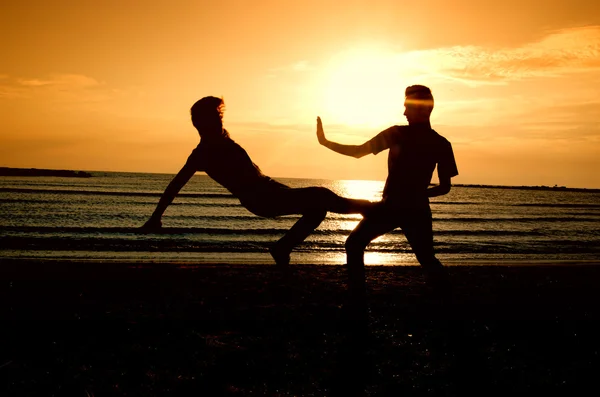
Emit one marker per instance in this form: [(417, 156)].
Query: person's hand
[(320, 132), (152, 224)]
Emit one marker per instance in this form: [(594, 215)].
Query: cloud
[(72, 81), (61, 87), (297, 67), (296, 132), (301, 66), (577, 121), (565, 124), (559, 53)]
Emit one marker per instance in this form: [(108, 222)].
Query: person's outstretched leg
[(308, 199), (296, 235), (313, 203)]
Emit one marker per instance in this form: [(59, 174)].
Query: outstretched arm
[(441, 189), (357, 151), (182, 177)]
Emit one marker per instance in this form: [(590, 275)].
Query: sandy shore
[(71, 328)]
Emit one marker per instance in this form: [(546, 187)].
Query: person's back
[(229, 164), (414, 152)]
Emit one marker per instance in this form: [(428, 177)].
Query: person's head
[(418, 104), (207, 116)]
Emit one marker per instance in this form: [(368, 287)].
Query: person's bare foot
[(281, 256)]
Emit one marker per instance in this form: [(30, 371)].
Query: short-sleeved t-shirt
[(414, 154), (228, 164)]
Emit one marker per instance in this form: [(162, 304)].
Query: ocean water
[(98, 218)]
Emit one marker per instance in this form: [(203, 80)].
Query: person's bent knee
[(354, 245), (316, 215)]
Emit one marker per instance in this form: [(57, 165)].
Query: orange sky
[(109, 87)]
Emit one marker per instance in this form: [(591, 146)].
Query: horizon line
[(467, 185)]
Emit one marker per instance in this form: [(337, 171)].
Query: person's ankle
[(280, 254)]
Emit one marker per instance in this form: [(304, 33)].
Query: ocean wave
[(557, 205), (129, 203), (110, 193), (230, 196), (337, 217), (149, 245), (230, 231)]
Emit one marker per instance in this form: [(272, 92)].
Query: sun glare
[(358, 189), (364, 87)]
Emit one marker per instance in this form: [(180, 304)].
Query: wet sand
[(88, 328)]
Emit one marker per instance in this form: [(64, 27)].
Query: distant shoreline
[(7, 171), (542, 187)]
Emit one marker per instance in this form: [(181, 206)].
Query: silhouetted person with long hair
[(228, 164), (414, 151)]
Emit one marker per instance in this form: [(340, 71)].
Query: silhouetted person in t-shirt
[(228, 163), (414, 151)]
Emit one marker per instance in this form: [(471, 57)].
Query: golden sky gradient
[(107, 85)]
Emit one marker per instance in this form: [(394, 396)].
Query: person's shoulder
[(440, 138), (396, 130), (196, 157), (201, 147), (197, 148), (395, 133)]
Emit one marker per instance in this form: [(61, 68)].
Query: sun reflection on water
[(371, 258), (389, 258), (359, 189), (366, 190)]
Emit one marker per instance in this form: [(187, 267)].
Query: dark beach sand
[(156, 330)]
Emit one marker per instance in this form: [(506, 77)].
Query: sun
[(365, 87)]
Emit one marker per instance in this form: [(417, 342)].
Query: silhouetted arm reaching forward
[(357, 151), (182, 177)]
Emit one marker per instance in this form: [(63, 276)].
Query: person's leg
[(373, 226), (281, 250), (312, 203), (417, 227), (308, 199)]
